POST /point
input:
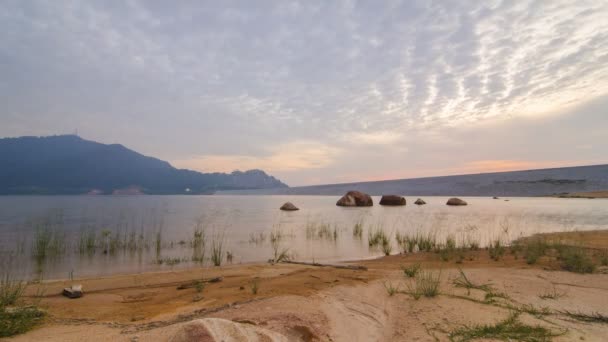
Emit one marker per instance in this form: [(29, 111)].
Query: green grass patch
[(511, 329), (411, 271), (463, 281), (426, 283)]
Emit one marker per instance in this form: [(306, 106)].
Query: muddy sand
[(310, 303)]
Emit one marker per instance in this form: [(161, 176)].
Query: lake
[(54, 237)]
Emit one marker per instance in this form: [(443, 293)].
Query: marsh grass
[(426, 283), (257, 238), (218, 242), (510, 329), (377, 237), (87, 243), (48, 242), (279, 253), (358, 230), (322, 230), (411, 271), (463, 281)]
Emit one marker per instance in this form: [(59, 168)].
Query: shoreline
[(323, 302)]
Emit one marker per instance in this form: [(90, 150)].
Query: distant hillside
[(67, 164), (517, 183)]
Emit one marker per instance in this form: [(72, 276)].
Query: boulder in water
[(456, 201), (420, 202), (288, 206), (355, 199), (392, 200)]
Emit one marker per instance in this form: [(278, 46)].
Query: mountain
[(68, 164), (516, 183)]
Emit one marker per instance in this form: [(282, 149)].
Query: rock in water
[(289, 207), (420, 202), (456, 201), (392, 200), (75, 291), (355, 199)]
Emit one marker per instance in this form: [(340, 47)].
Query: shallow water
[(132, 233)]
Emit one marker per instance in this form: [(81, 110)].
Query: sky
[(315, 92)]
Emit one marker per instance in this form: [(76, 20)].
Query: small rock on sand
[(456, 201), (75, 291), (420, 202), (355, 199), (392, 200), (289, 207)]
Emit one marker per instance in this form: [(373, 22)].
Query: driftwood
[(346, 267), (195, 282)]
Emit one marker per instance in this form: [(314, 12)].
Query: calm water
[(131, 233)]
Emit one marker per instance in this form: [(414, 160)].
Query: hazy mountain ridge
[(68, 164), (515, 183)]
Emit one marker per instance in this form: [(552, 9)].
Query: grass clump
[(217, 248), (511, 329), (576, 260), (19, 320), (411, 271), (496, 250), (426, 284), (10, 290), (463, 281), (390, 288), (15, 318)]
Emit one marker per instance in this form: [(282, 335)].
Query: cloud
[(232, 81), (300, 155)]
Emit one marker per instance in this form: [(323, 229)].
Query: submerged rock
[(392, 200), (289, 207), (420, 202), (355, 199), (75, 291), (456, 201)]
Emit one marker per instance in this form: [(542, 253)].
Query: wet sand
[(310, 303)]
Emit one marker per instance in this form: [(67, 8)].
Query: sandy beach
[(312, 303)]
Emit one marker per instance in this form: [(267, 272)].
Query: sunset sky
[(315, 91)]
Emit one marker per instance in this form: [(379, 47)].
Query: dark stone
[(420, 202), (456, 201), (289, 207), (392, 200), (355, 199)]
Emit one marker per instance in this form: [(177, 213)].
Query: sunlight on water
[(50, 237)]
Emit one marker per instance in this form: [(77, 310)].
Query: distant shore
[(591, 194)]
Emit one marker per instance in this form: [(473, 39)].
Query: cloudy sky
[(315, 91)]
